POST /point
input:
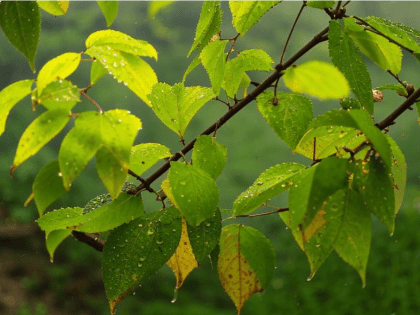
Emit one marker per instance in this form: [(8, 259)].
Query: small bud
[(377, 96), (410, 89)]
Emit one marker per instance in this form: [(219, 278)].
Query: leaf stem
[(83, 92)]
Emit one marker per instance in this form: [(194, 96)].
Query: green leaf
[(156, 6), (247, 13), (348, 60), (246, 262), (398, 32), (320, 4), (399, 172), (47, 186), (317, 78), (109, 216), (145, 155), (209, 155), (208, 24), (214, 61), (350, 103), (269, 184), (204, 237), (399, 88), (353, 240), (386, 55), (136, 74), (59, 94), (195, 192), (97, 71), (10, 96), (117, 41), (60, 219), (338, 128), (289, 115), (313, 186), (115, 130), (21, 23), (176, 106), (374, 183), (196, 61), (248, 60), (137, 250), (59, 67), (55, 238), (54, 7), (39, 133), (110, 10)]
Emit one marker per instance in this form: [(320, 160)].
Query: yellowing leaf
[(54, 7), (316, 224), (166, 187), (316, 78), (183, 260), (246, 262)]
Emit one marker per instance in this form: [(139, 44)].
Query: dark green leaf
[(195, 192), (110, 10), (136, 250), (47, 186), (204, 237), (54, 239), (289, 115), (21, 23), (346, 57), (350, 103), (209, 155)]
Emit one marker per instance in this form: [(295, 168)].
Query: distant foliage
[(354, 167)]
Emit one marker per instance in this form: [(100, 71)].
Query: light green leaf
[(136, 74), (320, 4), (121, 210), (55, 238), (399, 88), (348, 60), (59, 94), (135, 251), (214, 61), (374, 183), (353, 239), (39, 133), (156, 6), (110, 10), (247, 13), (204, 237), (269, 184), (289, 115), (196, 61), (394, 30), (59, 67), (339, 128), (245, 82), (117, 41), (47, 186), (386, 55), (176, 106), (208, 24), (209, 155), (54, 7), (10, 96), (115, 130), (246, 262), (313, 186), (248, 60), (60, 219), (21, 23), (195, 192), (145, 155), (97, 71), (317, 78)]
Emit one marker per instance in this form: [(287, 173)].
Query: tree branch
[(92, 240)]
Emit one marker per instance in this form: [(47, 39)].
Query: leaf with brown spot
[(183, 260), (246, 262)]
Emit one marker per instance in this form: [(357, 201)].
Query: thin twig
[(397, 78), (82, 92), (278, 210), (233, 40)]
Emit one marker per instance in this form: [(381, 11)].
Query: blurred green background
[(30, 284)]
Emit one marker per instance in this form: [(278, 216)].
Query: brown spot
[(230, 276), (143, 162)]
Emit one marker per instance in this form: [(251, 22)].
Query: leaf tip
[(12, 170), (30, 198)]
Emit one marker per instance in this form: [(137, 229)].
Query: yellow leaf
[(183, 260), (317, 223), (237, 277), (166, 187)]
